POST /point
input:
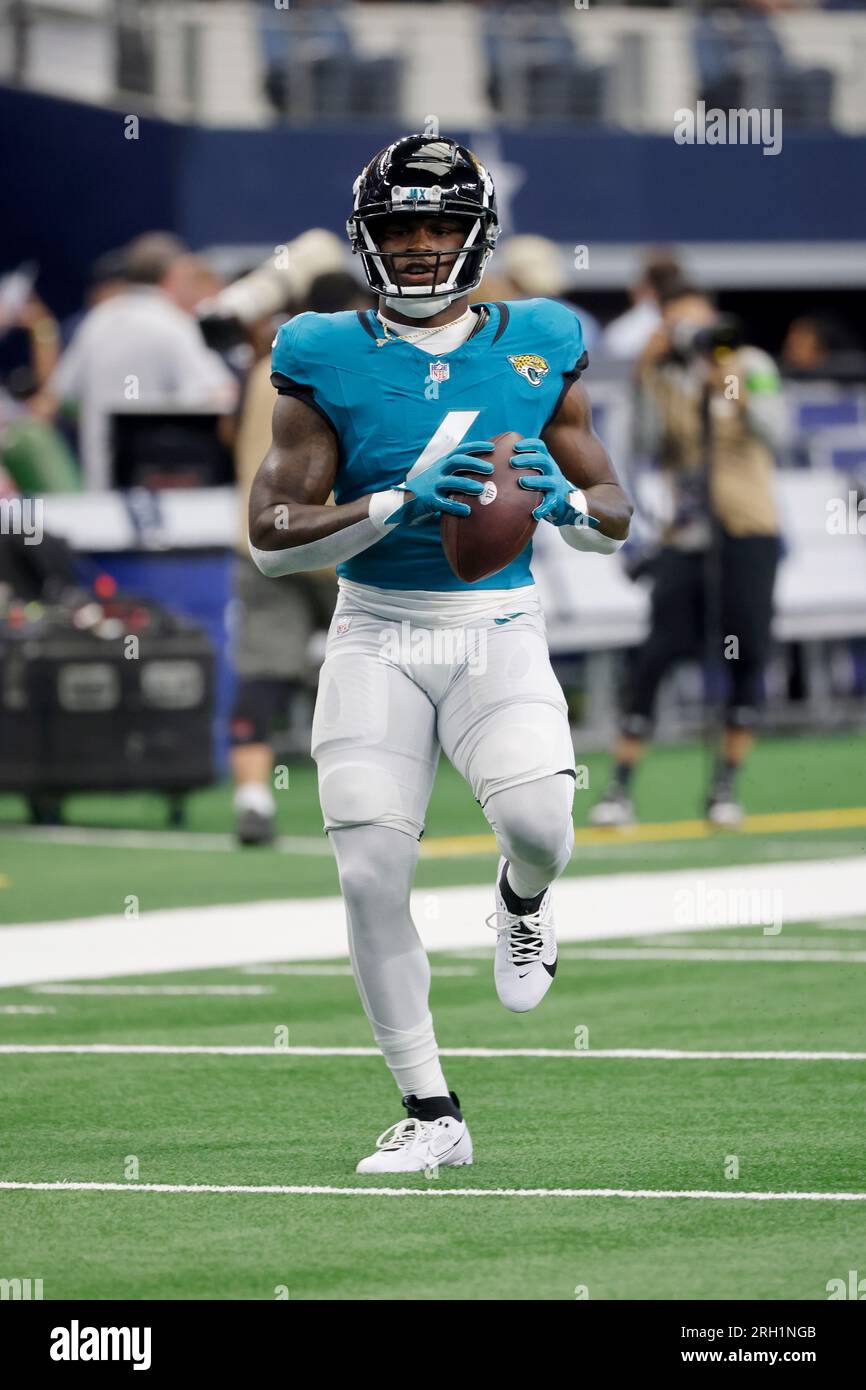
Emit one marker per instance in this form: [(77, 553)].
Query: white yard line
[(729, 956), (752, 938), (105, 838), (326, 970), (221, 990), (431, 1189), (655, 1054), (590, 908), (25, 1009)]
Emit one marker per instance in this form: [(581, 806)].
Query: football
[(500, 521)]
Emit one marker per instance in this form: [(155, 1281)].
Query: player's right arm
[(291, 528), (290, 491)]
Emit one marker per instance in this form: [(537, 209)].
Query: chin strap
[(421, 308)]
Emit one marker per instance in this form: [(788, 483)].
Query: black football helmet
[(424, 174)]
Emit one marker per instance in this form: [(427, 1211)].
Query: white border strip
[(596, 907), (431, 1190), (729, 955), (205, 840), (221, 991), (657, 1054)]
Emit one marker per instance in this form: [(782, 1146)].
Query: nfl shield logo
[(343, 625), (440, 371)]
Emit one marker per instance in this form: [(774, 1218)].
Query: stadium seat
[(313, 70), (826, 412), (842, 449), (535, 71), (741, 63)]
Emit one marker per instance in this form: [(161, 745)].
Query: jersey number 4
[(453, 429)]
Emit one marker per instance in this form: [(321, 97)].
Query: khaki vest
[(742, 468)]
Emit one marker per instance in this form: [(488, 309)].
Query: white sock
[(255, 796)]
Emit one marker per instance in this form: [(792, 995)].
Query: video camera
[(690, 340)]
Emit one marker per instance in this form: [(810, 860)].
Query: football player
[(385, 408)]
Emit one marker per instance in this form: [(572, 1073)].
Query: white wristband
[(582, 536), (383, 505), (578, 500), (589, 538)]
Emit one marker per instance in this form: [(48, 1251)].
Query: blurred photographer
[(711, 410)]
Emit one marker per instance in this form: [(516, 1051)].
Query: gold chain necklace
[(417, 334)]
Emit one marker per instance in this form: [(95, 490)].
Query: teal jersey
[(393, 406)]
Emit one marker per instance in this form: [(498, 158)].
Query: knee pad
[(352, 793), (356, 791), (376, 867), (519, 745), (535, 821)]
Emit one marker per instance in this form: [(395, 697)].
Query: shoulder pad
[(554, 327)]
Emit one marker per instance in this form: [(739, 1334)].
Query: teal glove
[(557, 506), (429, 488)]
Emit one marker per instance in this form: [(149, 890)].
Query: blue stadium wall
[(75, 186)]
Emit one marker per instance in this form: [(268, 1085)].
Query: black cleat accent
[(521, 907), (433, 1107), (551, 969)]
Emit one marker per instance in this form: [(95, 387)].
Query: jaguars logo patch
[(530, 366)]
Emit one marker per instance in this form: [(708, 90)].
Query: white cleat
[(416, 1145), (525, 951), (615, 810), (724, 811)]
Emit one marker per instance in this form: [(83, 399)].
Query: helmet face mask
[(448, 270), (428, 177)]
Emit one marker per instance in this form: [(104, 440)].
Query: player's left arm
[(582, 460)]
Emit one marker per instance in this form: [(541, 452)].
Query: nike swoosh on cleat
[(446, 1152)]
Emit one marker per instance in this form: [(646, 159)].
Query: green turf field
[(559, 1125), (572, 1122)]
